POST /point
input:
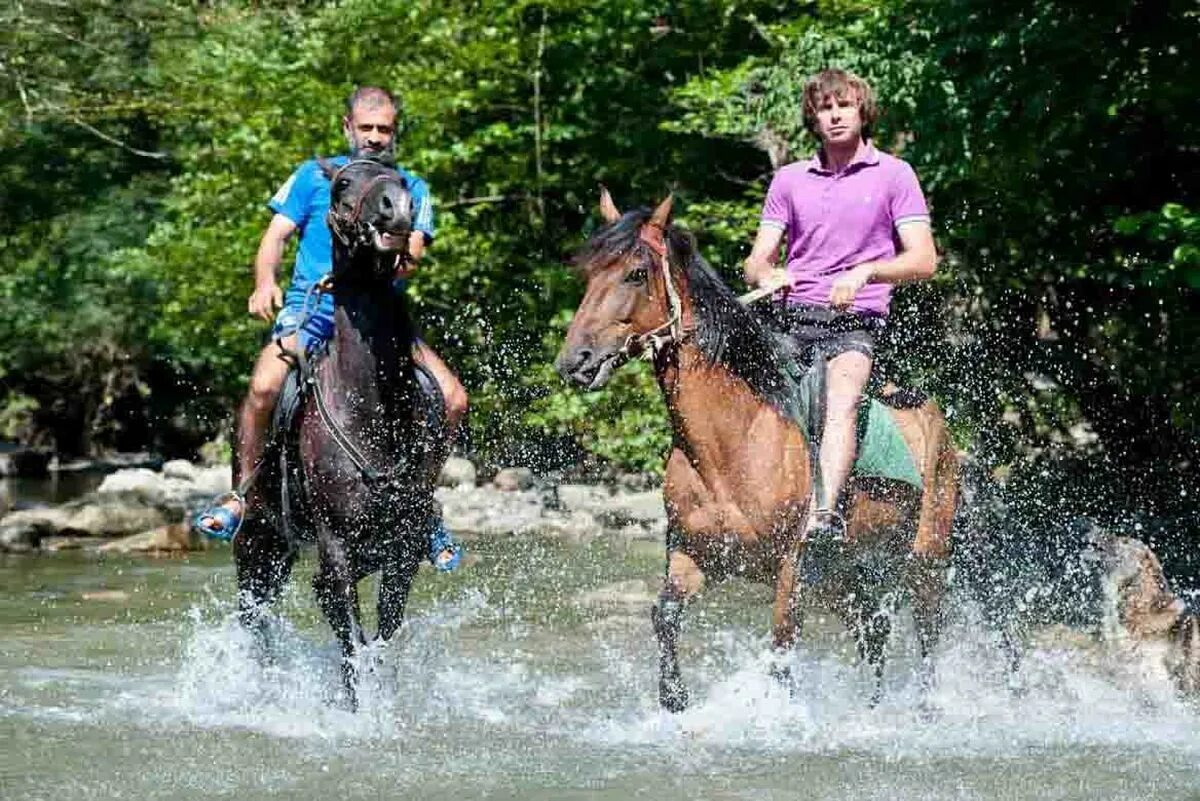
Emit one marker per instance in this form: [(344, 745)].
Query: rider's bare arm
[(267, 296), (760, 265), (916, 261)]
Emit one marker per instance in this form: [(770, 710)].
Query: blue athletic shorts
[(314, 323)]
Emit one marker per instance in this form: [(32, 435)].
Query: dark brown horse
[(355, 470), (738, 477)]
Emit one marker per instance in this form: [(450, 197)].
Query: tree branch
[(150, 154), (476, 201)]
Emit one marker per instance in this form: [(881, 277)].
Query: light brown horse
[(739, 476)]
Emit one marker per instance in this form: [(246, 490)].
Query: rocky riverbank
[(140, 510)]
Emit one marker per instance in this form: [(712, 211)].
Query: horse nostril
[(583, 357), (386, 203)]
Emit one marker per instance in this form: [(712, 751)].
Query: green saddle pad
[(882, 451)]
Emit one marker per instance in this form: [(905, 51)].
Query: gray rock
[(23, 530), (581, 497), (137, 482), (511, 479), (651, 531), (212, 481), (457, 472), (5, 500), (488, 512), (175, 537), (633, 507), (113, 517), (180, 469)]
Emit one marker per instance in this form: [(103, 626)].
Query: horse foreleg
[(785, 617), (683, 580), (264, 561), (338, 597), (870, 625), (928, 588), (394, 583)]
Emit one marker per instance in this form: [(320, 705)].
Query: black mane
[(727, 332)]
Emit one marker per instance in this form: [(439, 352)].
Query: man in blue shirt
[(300, 205)]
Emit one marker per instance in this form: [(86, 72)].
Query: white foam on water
[(463, 670), (1065, 699)]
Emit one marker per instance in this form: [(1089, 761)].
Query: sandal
[(441, 541), (227, 521)]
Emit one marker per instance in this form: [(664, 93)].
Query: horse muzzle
[(587, 368)]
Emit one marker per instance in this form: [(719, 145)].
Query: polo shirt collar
[(865, 155)]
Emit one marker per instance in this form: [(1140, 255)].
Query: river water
[(124, 678)]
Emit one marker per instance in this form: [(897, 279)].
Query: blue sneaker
[(444, 553)]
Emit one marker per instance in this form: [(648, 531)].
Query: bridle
[(349, 229), (657, 340)]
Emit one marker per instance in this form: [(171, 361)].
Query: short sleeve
[(776, 206), (294, 198), (422, 208), (907, 202)]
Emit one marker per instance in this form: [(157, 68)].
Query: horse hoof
[(782, 674), (673, 697)]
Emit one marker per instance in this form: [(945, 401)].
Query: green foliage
[(1056, 141)]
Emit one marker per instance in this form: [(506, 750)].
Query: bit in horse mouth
[(602, 372), (388, 242)]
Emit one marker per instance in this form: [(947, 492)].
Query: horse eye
[(636, 276)]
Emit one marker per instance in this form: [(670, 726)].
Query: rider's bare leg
[(456, 405), (254, 415), (847, 377), (452, 389)]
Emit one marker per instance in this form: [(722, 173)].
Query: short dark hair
[(839, 83), (371, 97)]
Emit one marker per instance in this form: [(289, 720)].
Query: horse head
[(370, 212), (631, 300)]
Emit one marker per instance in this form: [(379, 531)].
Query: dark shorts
[(817, 329)]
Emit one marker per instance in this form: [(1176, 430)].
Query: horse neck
[(707, 404), (371, 349)]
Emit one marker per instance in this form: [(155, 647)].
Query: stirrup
[(229, 523), (440, 539)]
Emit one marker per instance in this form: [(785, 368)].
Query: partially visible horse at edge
[(739, 473), (355, 463)]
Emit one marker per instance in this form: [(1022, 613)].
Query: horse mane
[(728, 333)]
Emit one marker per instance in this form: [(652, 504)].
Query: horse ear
[(327, 168), (608, 209), (662, 214)]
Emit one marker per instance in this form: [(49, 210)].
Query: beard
[(384, 155)]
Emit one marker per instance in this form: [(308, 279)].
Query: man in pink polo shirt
[(856, 223)]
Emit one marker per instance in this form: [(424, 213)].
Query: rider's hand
[(404, 267), (848, 284), (265, 300), (416, 245)]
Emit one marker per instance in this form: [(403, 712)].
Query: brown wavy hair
[(840, 84)]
